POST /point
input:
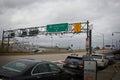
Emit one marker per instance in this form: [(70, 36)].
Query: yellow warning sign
[(77, 27)]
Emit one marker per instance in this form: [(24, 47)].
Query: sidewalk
[(117, 76), (110, 73), (117, 72)]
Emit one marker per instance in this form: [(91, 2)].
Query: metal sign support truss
[(41, 30)]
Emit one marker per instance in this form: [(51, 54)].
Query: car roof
[(76, 55), (98, 54), (31, 61)]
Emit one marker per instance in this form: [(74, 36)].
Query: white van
[(101, 59)]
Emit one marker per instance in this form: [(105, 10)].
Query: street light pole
[(116, 45), (103, 43), (119, 44), (112, 43)]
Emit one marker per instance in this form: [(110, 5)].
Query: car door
[(57, 73), (41, 72)]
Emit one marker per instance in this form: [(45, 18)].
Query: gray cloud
[(15, 3), (103, 14)]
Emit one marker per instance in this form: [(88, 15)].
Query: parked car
[(101, 59), (30, 69), (110, 59), (117, 56), (75, 64)]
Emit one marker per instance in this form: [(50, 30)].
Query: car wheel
[(72, 78), (106, 65)]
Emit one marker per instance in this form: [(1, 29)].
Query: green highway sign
[(63, 27)]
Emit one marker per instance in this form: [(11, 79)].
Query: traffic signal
[(77, 27)]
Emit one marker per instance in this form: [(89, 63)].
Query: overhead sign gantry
[(80, 27)]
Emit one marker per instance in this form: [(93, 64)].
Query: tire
[(72, 78)]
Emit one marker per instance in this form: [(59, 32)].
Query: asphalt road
[(112, 72), (48, 57)]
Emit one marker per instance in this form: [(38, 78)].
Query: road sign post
[(90, 45), (90, 36), (87, 45)]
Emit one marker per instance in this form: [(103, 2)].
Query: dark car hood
[(7, 73)]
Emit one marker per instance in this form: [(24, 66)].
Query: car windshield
[(97, 56), (76, 59), (16, 66)]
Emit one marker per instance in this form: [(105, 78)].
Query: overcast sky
[(103, 14)]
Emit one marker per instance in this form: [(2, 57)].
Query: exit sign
[(63, 27)]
